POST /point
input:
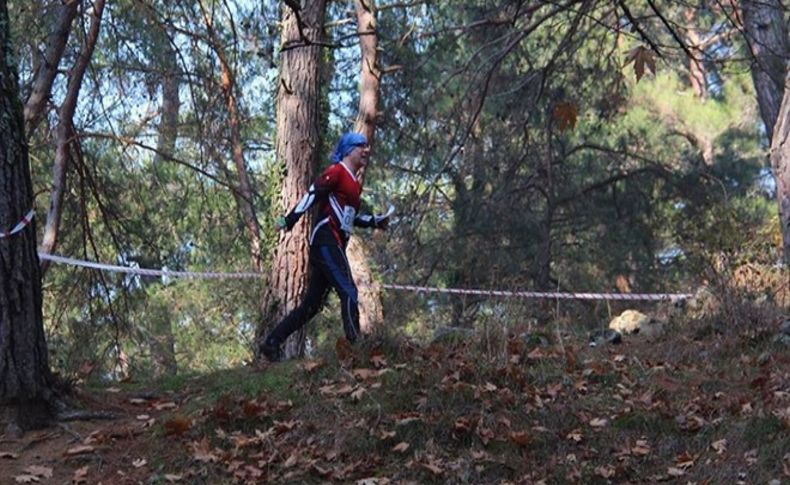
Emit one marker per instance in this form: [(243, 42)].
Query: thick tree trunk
[(371, 312), (297, 149), (766, 34), (36, 104), (780, 163), (65, 136), (25, 379)]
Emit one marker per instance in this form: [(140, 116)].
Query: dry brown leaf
[(575, 435), (201, 451), (25, 478), (719, 446), (521, 438), (642, 448), (675, 472), (599, 422), (385, 435), (39, 471), (311, 365), (178, 425), (401, 447), (565, 113), (162, 406), (80, 475), (642, 57), (377, 358), (79, 450), (606, 471), (358, 393)]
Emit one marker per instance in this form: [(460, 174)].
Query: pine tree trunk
[(36, 104), (371, 312), (780, 163), (162, 342), (25, 379), (297, 148), (766, 34)]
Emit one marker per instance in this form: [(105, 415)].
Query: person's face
[(360, 155)]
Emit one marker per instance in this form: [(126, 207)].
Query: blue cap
[(347, 143)]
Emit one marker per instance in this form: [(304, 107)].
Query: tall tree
[(65, 134), (766, 34), (371, 310), (25, 380), (36, 103), (297, 150)]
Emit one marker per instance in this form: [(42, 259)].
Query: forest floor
[(693, 406)]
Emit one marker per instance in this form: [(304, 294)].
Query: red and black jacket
[(337, 193)]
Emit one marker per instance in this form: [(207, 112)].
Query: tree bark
[(371, 312), (65, 136), (35, 106), (780, 163), (297, 151), (766, 34), (25, 380)]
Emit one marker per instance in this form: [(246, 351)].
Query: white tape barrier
[(24, 222), (165, 273)]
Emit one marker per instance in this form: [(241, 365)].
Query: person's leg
[(313, 300), (336, 270)]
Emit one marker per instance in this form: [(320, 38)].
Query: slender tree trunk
[(36, 104), (25, 379), (297, 148), (162, 339), (766, 34), (371, 311), (65, 136), (244, 193)]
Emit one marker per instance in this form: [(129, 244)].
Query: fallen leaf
[(357, 394), (606, 471), (642, 448), (26, 479), (377, 358), (79, 450), (575, 435), (311, 365), (139, 463), (80, 475), (172, 478), (521, 438), (387, 434), (675, 472), (401, 447), (177, 425), (599, 422), (161, 406), (719, 446), (39, 471)]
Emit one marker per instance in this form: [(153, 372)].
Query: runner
[(337, 193)]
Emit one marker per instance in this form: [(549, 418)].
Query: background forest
[(572, 146)]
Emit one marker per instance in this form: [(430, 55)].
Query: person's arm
[(369, 220), (322, 186)]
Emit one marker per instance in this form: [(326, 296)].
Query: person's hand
[(280, 224)]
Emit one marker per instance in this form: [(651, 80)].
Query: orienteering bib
[(347, 221)]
